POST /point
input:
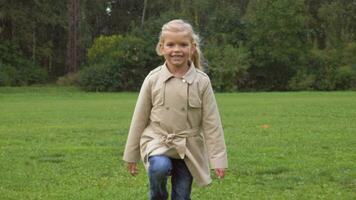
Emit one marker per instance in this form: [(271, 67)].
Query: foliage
[(227, 66), (277, 40), (15, 70), (70, 79), (114, 64), (345, 78), (100, 77), (303, 80), (7, 74), (286, 44), (322, 64), (339, 22), (38, 28), (328, 69)]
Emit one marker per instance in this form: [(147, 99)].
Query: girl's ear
[(193, 48), (160, 48)]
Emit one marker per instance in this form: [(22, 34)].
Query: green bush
[(70, 79), (322, 64), (25, 73), (277, 39), (349, 53), (323, 71), (100, 77), (302, 80), (7, 74), (345, 75), (15, 70), (345, 78), (115, 63), (227, 66)]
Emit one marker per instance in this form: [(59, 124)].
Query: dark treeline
[(247, 44)]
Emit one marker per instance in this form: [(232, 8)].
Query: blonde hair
[(179, 25)]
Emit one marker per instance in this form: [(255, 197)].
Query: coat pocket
[(194, 102), (194, 107), (157, 104), (158, 97)]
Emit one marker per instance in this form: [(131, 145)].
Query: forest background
[(248, 45)]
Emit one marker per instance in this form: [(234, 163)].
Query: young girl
[(176, 128)]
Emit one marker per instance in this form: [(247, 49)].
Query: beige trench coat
[(178, 117)]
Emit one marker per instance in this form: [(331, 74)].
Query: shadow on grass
[(51, 158)]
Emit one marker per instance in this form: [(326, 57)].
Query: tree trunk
[(73, 37), (34, 44), (143, 13)]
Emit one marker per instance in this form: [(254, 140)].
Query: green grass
[(62, 143)]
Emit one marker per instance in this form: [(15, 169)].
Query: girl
[(176, 128)]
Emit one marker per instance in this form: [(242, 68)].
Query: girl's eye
[(169, 44)]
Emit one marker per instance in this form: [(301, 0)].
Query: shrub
[(7, 74), (227, 66), (25, 73), (115, 63), (345, 78), (15, 70), (302, 80), (100, 77), (70, 79), (322, 64)]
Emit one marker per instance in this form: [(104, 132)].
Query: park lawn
[(63, 143)]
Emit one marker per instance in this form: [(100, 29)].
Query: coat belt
[(176, 139)]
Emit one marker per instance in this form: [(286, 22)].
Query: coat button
[(167, 108), (183, 109), (184, 80)]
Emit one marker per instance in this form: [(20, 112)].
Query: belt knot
[(168, 139)]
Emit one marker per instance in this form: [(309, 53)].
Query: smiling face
[(177, 48)]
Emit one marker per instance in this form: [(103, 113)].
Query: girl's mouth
[(176, 56)]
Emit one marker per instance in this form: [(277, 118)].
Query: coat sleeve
[(138, 123), (212, 130)]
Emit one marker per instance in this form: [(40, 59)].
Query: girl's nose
[(176, 48)]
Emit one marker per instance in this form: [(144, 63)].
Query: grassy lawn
[(62, 143)]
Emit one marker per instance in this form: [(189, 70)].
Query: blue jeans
[(160, 168)]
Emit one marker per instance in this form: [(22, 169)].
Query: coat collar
[(188, 76)]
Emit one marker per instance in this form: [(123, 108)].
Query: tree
[(339, 22), (73, 36), (277, 40), (143, 13)]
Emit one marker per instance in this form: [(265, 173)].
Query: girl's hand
[(220, 172), (132, 167)]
